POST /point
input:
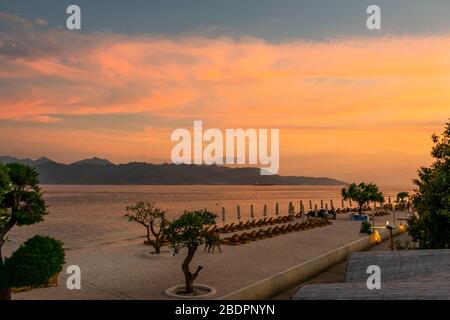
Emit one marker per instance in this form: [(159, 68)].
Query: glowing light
[(375, 237)]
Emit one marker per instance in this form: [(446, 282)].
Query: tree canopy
[(432, 198), (362, 194), (34, 262), (152, 218), (22, 203), (192, 229)]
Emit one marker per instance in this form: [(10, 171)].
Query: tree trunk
[(2, 242), (188, 276), (157, 242), (5, 294), (157, 246), (360, 209), (148, 234)]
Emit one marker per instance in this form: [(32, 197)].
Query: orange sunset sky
[(349, 107)]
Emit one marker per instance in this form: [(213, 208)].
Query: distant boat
[(263, 184)]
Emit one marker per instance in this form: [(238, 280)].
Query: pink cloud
[(318, 93)]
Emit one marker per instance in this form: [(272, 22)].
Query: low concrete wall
[(283, 281)]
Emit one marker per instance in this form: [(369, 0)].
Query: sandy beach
[(119, 270)]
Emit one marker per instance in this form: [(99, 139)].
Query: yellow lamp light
[(402, 227), (375, 237)]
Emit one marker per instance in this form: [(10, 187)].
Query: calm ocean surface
[(89, 215)]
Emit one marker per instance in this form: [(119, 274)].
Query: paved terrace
[(410, 275)]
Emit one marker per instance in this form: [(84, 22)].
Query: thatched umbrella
[(310, 205), (252, 214), (321, 204)]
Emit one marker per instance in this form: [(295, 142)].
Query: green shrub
[(34, 262), (366, 227), (404, 245)]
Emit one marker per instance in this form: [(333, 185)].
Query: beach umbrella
[(310, 205), (331, 204), (291, 209), (326, 206), (265, 211), (223, 214), (276, 209), (321, 204), (342, 203), (239, 213), (350, 203), (252, 215), (315, 207), (302, 208), (389, 200)]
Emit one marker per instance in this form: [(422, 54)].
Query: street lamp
[(391, 238)]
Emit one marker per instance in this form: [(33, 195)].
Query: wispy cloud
[(132, 91)]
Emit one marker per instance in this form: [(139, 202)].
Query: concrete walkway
[(335, 274)]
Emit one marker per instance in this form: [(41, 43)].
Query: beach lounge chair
[(229, 227), (260, 234), (239, 226), (232, 241), (269, 232), (246, 225), (290, 227), (244, 238), (259, 222), (277, 230)]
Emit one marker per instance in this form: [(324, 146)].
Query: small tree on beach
[(432, 199), (362, 194), (21, 203), (152, 218), (190, 231)]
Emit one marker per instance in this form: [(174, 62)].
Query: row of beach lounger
[(380, 213), (232, 227), (271, 232)]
